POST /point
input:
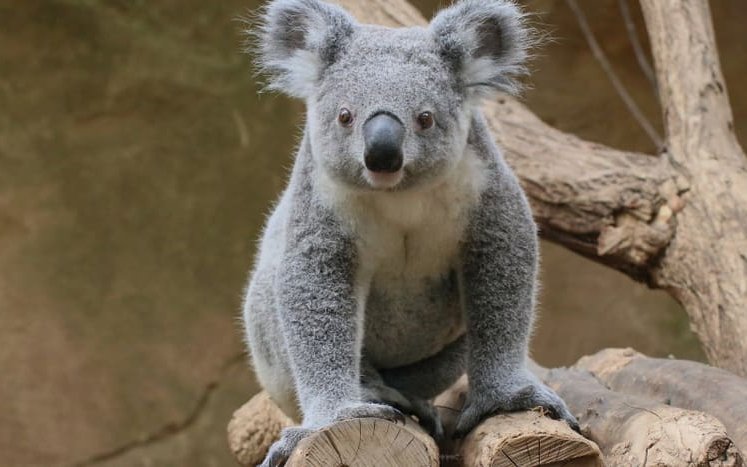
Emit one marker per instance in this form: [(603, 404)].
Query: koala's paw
[(281, 450), (529, 395), (425, 412)]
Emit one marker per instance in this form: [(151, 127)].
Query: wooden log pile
[(633, 411)]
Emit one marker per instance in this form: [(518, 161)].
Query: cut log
[(680, 383), (636, 431), (630, 430), (524, 439), (515, 439), (254, 427), (365, 442)]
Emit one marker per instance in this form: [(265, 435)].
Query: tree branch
[(640, 55), (601, 57), (613, 206)]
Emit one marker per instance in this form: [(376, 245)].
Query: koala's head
[(390, 108)]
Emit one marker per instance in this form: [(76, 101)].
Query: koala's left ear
[(485, 42), (297, 39)]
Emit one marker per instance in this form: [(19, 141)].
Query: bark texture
[(636, 431), (705, 267), (679, 383), (674, 220)]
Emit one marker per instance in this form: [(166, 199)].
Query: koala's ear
[(296, 40), (485, 42)]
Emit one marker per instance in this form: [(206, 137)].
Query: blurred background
[(137, 164)]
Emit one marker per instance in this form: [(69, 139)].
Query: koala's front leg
[(321, 319), (499, 267)]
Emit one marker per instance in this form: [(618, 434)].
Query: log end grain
[(528, 438), (367, 442)]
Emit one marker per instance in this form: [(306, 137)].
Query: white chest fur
[(408, 235), (408, 245)]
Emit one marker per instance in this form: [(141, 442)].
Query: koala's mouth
[(383, 180)]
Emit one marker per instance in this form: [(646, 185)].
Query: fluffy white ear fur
[(295, 39), (485, 42)]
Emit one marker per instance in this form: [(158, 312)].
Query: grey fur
[(360, 301)]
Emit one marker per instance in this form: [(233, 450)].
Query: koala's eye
[(425, 120), (345, 117)]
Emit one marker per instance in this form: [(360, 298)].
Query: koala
[(403, 252)]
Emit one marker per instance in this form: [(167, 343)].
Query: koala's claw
[(371, 410), (428, 418), (281, 450), (378, 392), (481, 406)]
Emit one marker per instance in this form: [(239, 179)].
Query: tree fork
[(705, 266)]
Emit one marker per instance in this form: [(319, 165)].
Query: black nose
[(383, 135)]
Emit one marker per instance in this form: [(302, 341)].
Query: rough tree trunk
[(679, 383), (676, 220), (636, 431), (705, 266)]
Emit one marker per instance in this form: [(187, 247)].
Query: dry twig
[(640, 55), (600, 56)]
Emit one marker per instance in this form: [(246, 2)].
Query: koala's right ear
[(297, 39)]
